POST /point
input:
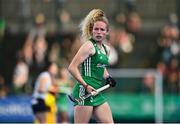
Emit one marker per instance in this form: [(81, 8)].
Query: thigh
[(82, 114), (103, 113), (41, 117)]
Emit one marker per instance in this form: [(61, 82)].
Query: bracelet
[(86, 86)]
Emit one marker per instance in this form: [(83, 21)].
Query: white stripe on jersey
[(87, 67)]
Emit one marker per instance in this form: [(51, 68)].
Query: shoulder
[(44, 75), (88, 46)]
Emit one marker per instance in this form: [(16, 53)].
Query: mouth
[(98, 37)]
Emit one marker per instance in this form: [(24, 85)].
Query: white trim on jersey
[(87, 67)]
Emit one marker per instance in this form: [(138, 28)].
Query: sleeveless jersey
[(36, 94), (94, 65), (92, 71)]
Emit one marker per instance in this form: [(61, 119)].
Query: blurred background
[(144, 59)]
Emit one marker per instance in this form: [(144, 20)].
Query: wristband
[(86, 86), (109, 76)]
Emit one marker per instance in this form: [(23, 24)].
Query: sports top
[(47, 85)]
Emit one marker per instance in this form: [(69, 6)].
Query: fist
[(110, 81)]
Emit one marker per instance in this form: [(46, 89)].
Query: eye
[(102, 29), (96, 29)]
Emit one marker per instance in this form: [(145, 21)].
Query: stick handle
[(101, 89), (97, 91), (90, 94)]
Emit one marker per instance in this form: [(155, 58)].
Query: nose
[(99, 31)]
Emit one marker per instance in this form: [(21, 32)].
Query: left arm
[(106, 73), (107, 76)]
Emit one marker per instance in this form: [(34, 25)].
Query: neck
[(99, 45), (97, 41)]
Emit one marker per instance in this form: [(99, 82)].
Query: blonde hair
[(87, 23)]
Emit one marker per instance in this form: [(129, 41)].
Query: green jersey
[(92, 71)]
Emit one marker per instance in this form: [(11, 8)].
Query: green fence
[(142, 106)]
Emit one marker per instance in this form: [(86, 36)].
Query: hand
[(110, 81), (90, 89)]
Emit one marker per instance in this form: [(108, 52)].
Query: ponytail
[(87, 24)]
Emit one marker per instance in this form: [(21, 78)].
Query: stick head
[(72, 98), (78, 100)]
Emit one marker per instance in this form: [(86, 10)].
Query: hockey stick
[(80, 99)]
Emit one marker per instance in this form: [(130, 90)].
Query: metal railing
[(140, 73)]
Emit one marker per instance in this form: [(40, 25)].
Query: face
[(99, 31), (53, 69)]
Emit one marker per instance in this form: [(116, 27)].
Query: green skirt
[(79, 90)]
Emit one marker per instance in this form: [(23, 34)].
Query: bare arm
[(84, 52), (106, 73), (107, 76)]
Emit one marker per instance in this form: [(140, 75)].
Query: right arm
[(86, 50)]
